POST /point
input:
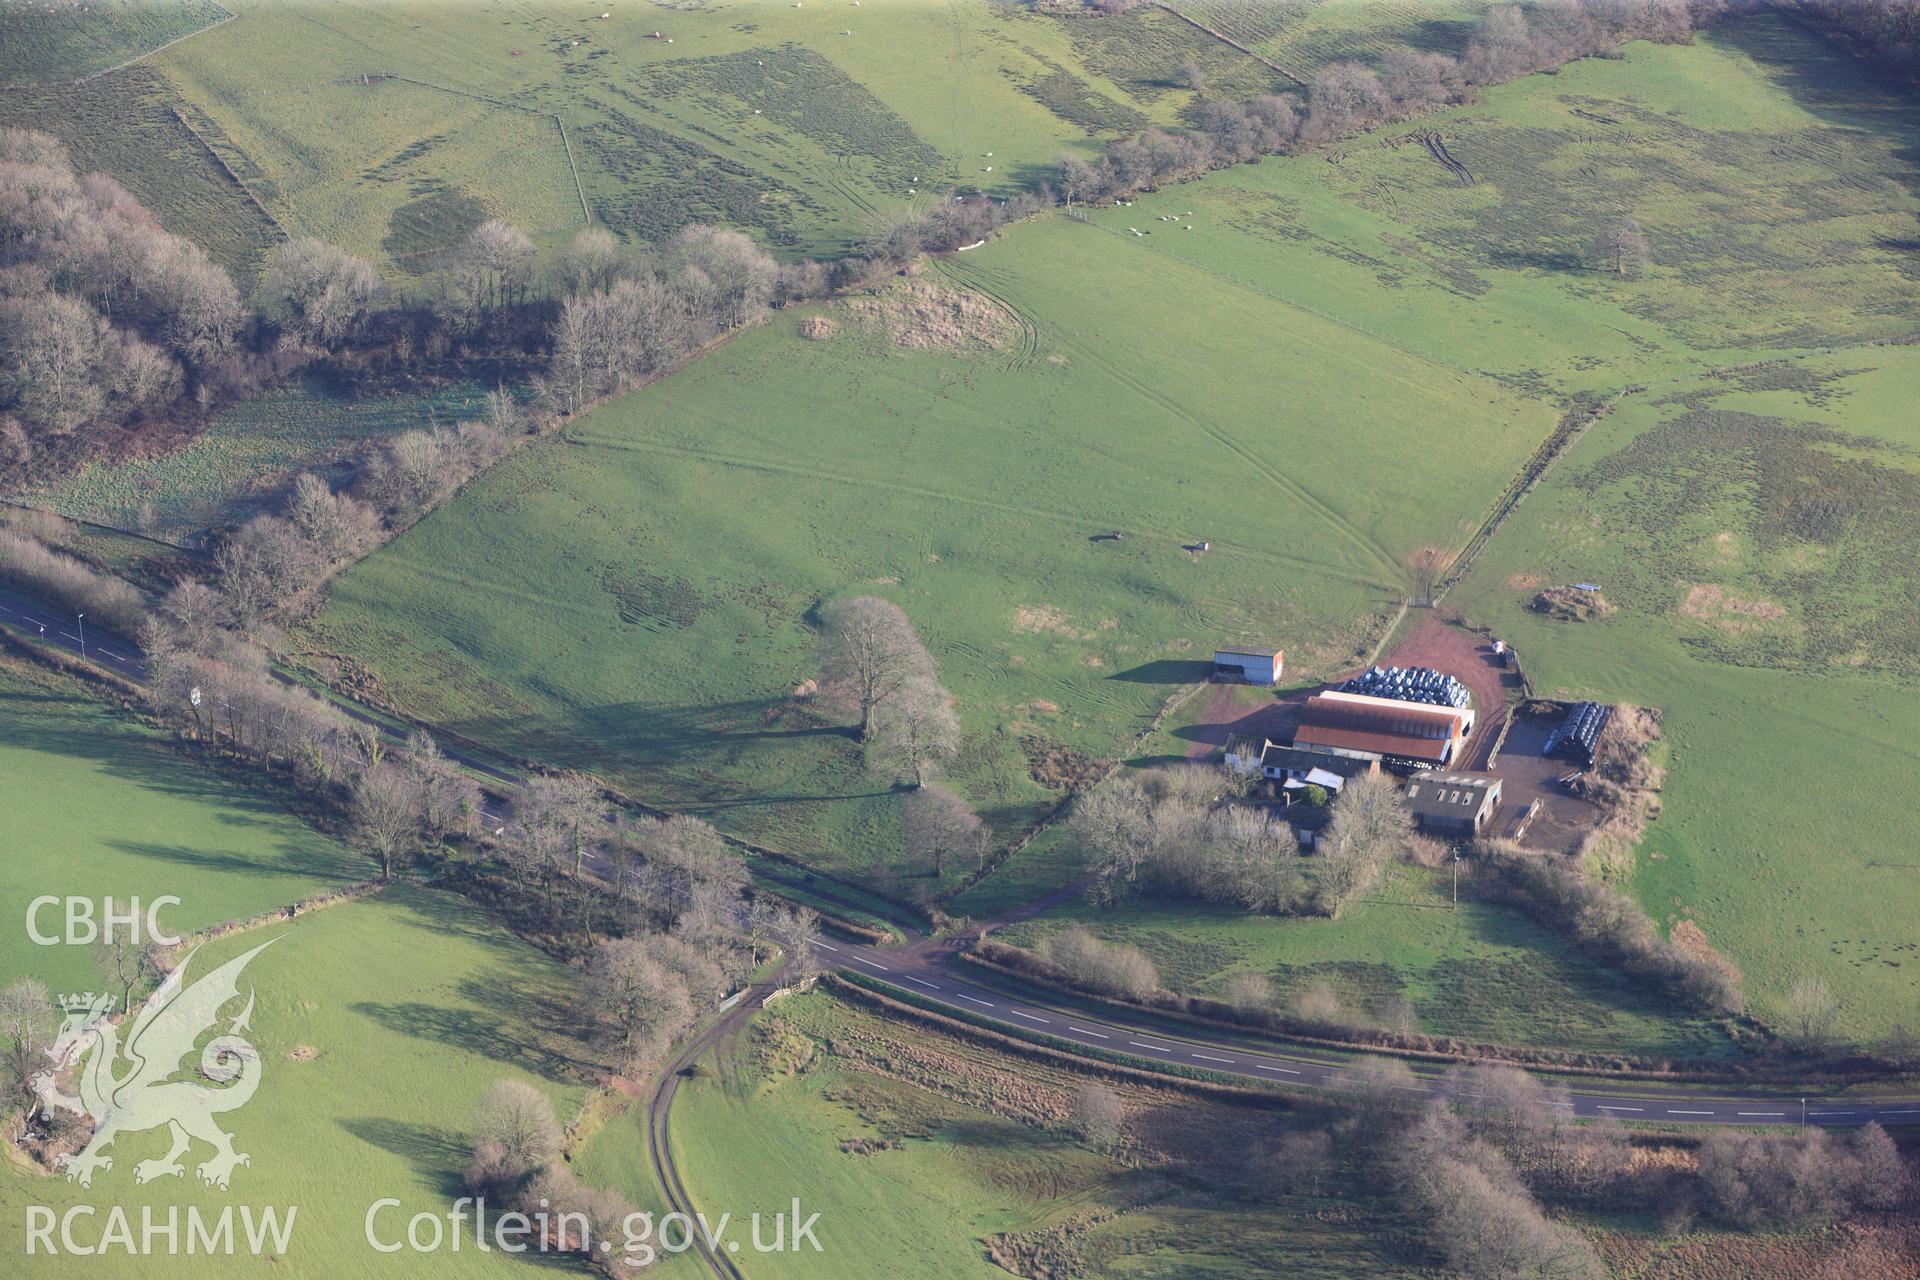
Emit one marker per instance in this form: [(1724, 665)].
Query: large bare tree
[(386, 815), (917, 728), (941, 829), (869, 653)]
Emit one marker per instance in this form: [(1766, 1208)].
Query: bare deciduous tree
[(1370, 827), (1808, 1013), (941, 829), (316, 292), (591, 262), (1623, 246), (869, 653), (27, 1026), (515, 1120), (917, 729), (642, 1002), (386, 815)]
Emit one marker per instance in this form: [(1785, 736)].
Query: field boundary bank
[(228, 15), (221, 161), (1231, 43), (1572, 426), (573, 169)]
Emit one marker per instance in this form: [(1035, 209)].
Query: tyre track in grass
[(1365, 542), (1053, 516)]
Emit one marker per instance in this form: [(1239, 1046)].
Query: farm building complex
[(1253, 666), (1296, 766), (1455, 805), (1404, 734)]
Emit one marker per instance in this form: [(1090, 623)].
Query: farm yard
[(1765, 607), (633, 597)]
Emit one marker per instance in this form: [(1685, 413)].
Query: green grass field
[(98, 806), (134, 126), (50, 43), (248, 455), (1480, 973), (1305, 35), (1752, 531), (805, 123), (379, 1023), (632, 598), (1770, 174), (972, 1151)]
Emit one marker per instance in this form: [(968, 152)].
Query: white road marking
[(875, 963), (976, 999), (1083, 1031), (1210, 1057), (1674, 1112), (1771, 1114), (1157, 1048), (1833, 1113), (1608, 1107), (1030, 1016), (923, 982), (1900, 1113), (1285, 1071), (824, 946), (110, 653)]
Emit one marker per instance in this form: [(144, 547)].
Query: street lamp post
[(83, 633), (1456, 879)]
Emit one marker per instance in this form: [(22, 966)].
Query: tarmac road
[(924, 969)]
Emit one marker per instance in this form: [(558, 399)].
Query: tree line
[(1510, 41), (1886, 32), (1481, 1170)]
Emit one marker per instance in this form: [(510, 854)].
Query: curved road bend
[(922, 973)]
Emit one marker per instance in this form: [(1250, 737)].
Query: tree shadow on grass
[(273, 863), (437, 1154), (483, 1033)]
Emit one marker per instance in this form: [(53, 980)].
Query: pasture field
[(1754, 531), (633, 597), (1481, 973), (99, 806), (1305, 35), (390, 128), (379, 1022), (918, 1148), (133, 126), (1774, 181), (52, 43), (248, 455)]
